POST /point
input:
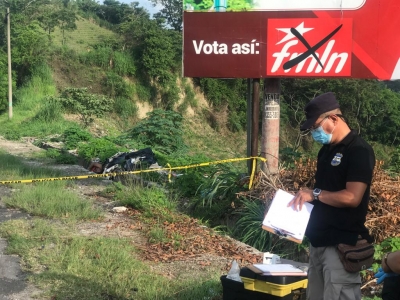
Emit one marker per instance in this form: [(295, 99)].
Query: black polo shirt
[(351, 160)]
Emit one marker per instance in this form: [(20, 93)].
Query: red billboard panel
[(309, 47), (360, 42)]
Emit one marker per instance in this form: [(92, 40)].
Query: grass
[(13, 168), (48, 199), (66, 265), (30, 101), (84, 37), (72, 267), (52, 200)]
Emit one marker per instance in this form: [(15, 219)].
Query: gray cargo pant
[(328, 280)]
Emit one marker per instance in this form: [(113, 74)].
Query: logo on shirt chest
[(337, 159)]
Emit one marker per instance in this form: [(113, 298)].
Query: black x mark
[(311, 50)]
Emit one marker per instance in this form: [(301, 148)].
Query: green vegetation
[(78, 265), (86, 105), (93, 267), (162, 129), (81, 70), (50, 199)]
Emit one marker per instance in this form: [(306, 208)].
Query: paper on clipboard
[(284, 220), (280, 270)]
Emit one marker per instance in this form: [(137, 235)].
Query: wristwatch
[(316, 192), (385, 260)]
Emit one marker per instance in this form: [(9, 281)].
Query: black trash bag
[(129, 161)]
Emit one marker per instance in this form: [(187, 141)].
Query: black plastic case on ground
[(234, 290), (245, 272)]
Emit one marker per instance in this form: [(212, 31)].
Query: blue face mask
[(320, 136)]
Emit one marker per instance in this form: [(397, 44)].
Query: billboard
[(279, 5), (275, 38)]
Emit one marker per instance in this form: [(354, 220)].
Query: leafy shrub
[(289, 155), (388, 245), (161, 130), (101, 148), (78, 100), (74, 135)]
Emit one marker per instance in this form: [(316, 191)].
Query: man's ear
[(334, 119)]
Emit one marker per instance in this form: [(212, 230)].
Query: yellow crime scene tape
[(169, 169)]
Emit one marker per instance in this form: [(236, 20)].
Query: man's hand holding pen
[(300, 198)]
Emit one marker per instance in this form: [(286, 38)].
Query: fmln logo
[(309, 47)]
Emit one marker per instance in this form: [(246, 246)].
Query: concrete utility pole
[(10, 112), (270, 125)]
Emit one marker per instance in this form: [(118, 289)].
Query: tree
[(370, 107), (49, 19), (67, 20), (171, 11), (30, 47)]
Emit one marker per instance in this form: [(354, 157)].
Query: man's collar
[(348, 138)]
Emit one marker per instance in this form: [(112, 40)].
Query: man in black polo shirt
[(340, 198)]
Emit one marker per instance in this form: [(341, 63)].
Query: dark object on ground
[(129, 161), (124, 161)]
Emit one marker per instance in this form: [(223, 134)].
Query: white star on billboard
[(300, 28)]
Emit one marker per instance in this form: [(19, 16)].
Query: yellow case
[(279, 290)]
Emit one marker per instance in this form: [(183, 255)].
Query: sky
[(145, 4)]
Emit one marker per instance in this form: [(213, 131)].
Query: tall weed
[(39, 86), (147, 199), (248, 226), (52, 199), (125, 108), (51, 110), (108, 59), (116, 87)]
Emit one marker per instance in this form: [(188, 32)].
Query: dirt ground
[(13, 285), (114, 224)]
